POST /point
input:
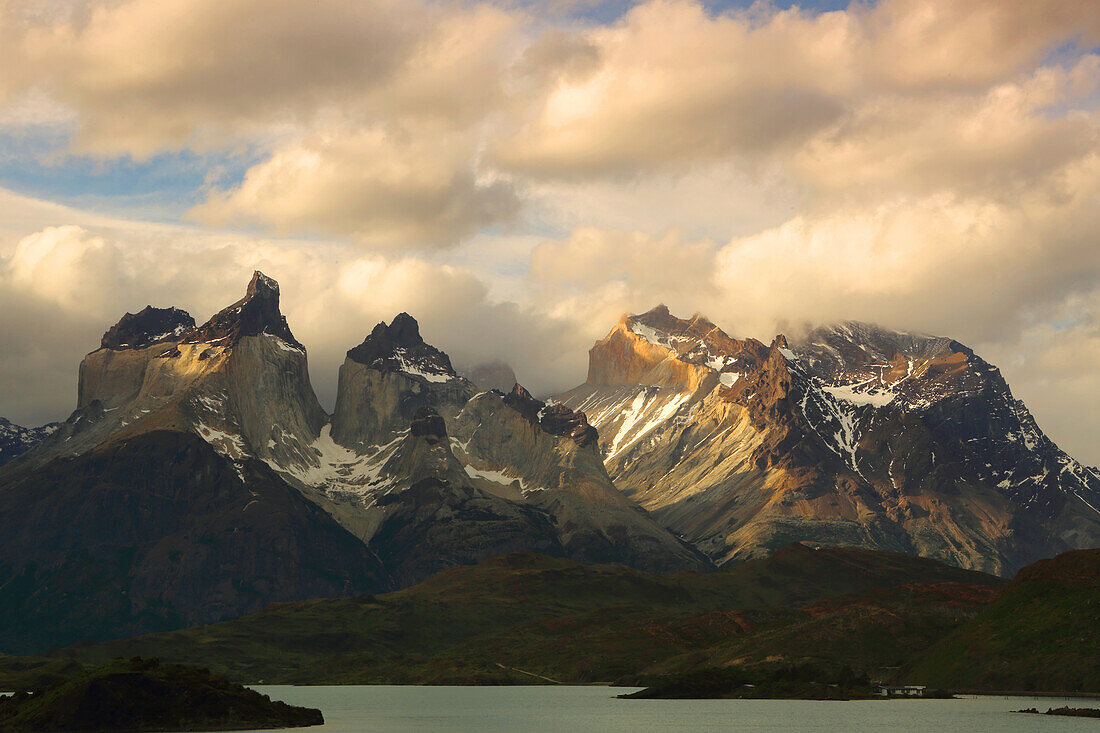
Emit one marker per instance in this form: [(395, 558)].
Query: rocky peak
[(254, 314), (16, 439), (148, 326), (656, 348), (556, 419), (520, 400), (399, 347), (404, 330), (429, 425), (868, 364)]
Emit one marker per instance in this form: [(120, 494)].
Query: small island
[(1072, 712), (145, 695)]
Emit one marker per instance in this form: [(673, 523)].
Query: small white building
[(900, 690)]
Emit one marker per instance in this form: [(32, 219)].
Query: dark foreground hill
[(144, 695), (526, 618), (1041, 634)]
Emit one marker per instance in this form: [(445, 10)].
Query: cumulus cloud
[(675, 85), (207, 67), (384, 189), (517, 178), (366, 109)]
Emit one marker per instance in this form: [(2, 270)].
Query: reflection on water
[(392, 709)]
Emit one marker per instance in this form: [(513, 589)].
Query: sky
[(517, 175)]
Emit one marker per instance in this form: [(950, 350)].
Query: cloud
[(675, 85), (997, 142), (518, 178), (208, 68), (384, 189), (62, 287)]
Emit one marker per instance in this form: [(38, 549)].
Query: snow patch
[(339, 470), (728, 379), (228, 444), (871, 396), (644, 415), (425, 370)]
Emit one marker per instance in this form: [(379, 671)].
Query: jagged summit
[(656, 348), (556, 419), (16, 439), (254, 314), (851, 434), (146, 327), (399, 347)]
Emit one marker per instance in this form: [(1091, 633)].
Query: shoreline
[(1017, 693)]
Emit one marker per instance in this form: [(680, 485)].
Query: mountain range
[(852, 436), (200, 479)]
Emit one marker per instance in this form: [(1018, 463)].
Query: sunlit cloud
[(517, 174)]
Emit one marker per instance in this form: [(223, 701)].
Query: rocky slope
[(153, 506), (15, 440), (430, 473), (200, 479), (157, 532), (547, 456), (855, 436)]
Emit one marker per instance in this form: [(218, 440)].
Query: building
[(900, 690)]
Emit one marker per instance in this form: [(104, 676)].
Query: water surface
[(405, 709)]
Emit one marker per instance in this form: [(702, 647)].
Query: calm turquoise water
[(403, 709)]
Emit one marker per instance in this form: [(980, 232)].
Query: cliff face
[(546, 456), (170, 513), (390, 378), (855, 437), (469, 485), (433, 517), (240, 381)]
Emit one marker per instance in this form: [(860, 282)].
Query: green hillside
[(528, 618), (1041, 634)]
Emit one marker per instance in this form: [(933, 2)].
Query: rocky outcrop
[(388, 379), (854, 437), (256, 314), (546, 456), (128, 696), (239, 381), (146, 327)]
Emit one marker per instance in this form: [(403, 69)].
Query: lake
[(401, 709)]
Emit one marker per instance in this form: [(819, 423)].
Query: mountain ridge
[(688, 449), (741, 446)]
